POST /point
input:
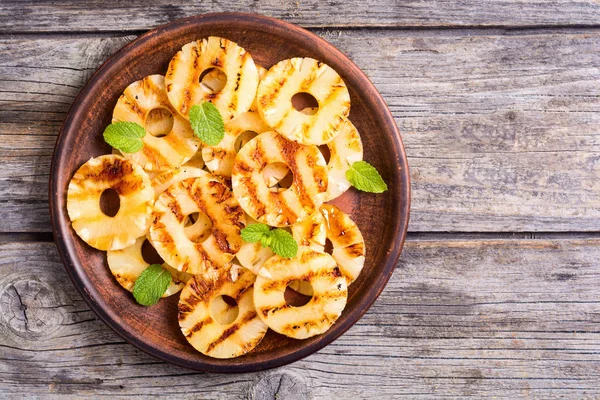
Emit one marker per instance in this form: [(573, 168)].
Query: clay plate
[(382, 218)]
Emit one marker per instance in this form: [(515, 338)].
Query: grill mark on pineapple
[(186, 306), (243, 291), (355, 250), (155, 157), (276, 202), (253, 201), (294, 326), (273, 309), (198, 327), (338, 228), (231, 330), (115, 172), (172, 204), (289, 151), (221, 241), (203, 289), (279, 285), (132, 105)]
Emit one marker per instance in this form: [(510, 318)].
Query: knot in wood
[(30, 309), (281, 385)]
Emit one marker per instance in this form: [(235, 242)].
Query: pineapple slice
[(185, 88), (303, 75), (136, 197), (316, 316), (188, 249), (165, 180), (145, 102), (127, 264), (212, 326), (239, 131), (284, 207), (262, 71), (252, 256), (348, 243), (345, 149)]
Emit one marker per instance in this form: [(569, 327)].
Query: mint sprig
[(151, 285), (278, 240), (125, 136), (365, 177), (207, 123)]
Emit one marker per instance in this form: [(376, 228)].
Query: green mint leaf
[(125, 136), (151, 285), (207, 123), (283, 243), (365, 177), (255, 232)]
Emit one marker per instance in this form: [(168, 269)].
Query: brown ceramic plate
[(382, 218)]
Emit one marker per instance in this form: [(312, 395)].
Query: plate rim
[(59, 223)]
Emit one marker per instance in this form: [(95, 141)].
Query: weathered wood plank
[(503, 318), (501, 128), (97, 15)]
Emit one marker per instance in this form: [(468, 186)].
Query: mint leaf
[(283, 243), (125, 136), (254, 232), (365, 177), (151, 285), (278, 240), (207, 123)]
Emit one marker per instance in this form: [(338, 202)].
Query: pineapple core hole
[(149, 253), (305, 103), (224, 309), (324, 149), (213, 80), (328, 247), (110, 202), (243, 138), (298, 293), (197, 227), (278, 176), (159, 122)]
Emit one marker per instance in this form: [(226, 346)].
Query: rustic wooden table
[(498, 289)]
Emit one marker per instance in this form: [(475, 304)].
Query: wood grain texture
[(501, 127), (98, 15), (460, 318)]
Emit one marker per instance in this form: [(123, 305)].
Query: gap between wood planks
[(475, 30), (28, 237)]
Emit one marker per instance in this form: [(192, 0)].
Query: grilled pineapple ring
[(316, 316), (210, 197), (348, 243), (135, 194), (297, 75), (345, 149), (219, 159), (200, 325), (185, 69), (127, 264), (158, 153), (286, 207)]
